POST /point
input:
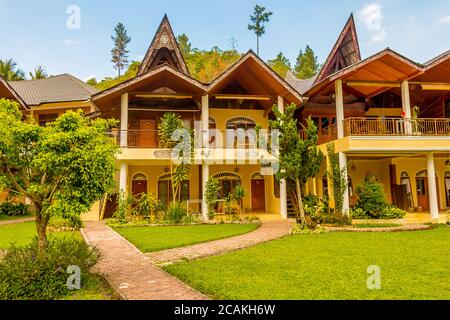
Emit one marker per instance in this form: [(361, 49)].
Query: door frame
[(133, 180), (258, 177)]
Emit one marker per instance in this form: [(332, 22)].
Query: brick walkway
[(267, 231), (129, 272), (15, 221)]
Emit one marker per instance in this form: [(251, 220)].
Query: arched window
[(447, 187), (228, 181), (165, 192), (241, 123), (257, 176), (248, 126), (139, 176), (325, 186)]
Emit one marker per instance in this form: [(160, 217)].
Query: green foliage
[(14, 209), (26, 275), (63, 168), (176, 213), (371, 196), (358, 213), (123, 207), (65, 224), (307, 64), (38, 73), (212, 195), (9, 71), (109, 82), (281, 65), (298, 229), (119, 54), (146, 205), (338, 178), (259, 18), (392, 212)]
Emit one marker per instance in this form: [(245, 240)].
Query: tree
[(62, 168), (185, 45), (299, 159), (9, 71), (119, 52), (38, 73), (307, 64), (233, 43), (281, 65), (92, 82), (259, 18), (171, 131), (338, 178)]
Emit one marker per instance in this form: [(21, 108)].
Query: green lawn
[(149, 239), (414, 265), (22, 234), (4, 217)]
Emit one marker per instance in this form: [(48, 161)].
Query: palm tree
[(38, 73), (9, 72)]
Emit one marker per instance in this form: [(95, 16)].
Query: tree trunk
[(257, 45), (41, 228), (300, 202), (174, 196)]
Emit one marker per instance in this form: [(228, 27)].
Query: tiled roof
[(61, 88), (301, 85)]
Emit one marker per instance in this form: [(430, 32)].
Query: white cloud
[(372, 16), (71, 42), (89, 78), (444, 20)]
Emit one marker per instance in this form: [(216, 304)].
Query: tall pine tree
[(120, 53), (307, 64), (259, 18)]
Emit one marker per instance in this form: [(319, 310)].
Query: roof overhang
[(7, 92)]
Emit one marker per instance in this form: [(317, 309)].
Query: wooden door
[(258, 196), (138, 187), (422, 193), (147, 134)]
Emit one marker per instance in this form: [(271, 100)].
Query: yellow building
[(367, 107)]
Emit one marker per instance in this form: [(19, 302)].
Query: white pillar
[(124, 120), (432, 190), (283, 184), (205, 121), (343, 167), (314, 186), (339, 96), (406, 106), (123, 177), (205, 176)]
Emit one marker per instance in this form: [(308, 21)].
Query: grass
[(414, 265), (150, 239), (93, 287), (22, 233), (376, 225)]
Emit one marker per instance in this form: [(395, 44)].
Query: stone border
[(408, 227)]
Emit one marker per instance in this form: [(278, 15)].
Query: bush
[(24, 275), (176, 213), (337, 219), (371, 196), (13, 209), (146, 205), (358, 213), (392, 212), (63, 224)]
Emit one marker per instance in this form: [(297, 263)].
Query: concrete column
[(205, 121), (283, 184), (343, 167), (314, 186), (123, 177), (205, 176), (432, 190), (124, 120), (406, 106), (339, 96)]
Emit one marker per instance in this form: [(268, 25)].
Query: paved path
[(129, 272), (267, 231), (15, 221)]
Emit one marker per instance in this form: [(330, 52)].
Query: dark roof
[(6, 91), (301, 85), (60, 88)]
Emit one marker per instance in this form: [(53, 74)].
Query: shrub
[(146, 205), (13, 209), (63, 224), (371, 196), (25, 275), (358, 213), (337, 219), (176, 213), (392, 212), (212, 195)]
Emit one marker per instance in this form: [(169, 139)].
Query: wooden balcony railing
[(396, 127)]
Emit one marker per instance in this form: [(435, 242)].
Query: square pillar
[(205, 177), (432, 189), (205, 121), (406, 106), (124, 120), (339, 96), (283, 184)]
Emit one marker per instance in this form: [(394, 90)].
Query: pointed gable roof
[(345, 51), (164, 49)]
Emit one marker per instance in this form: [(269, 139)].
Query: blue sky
[(36, 32)]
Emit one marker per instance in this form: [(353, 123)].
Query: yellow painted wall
[(221, 116)]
